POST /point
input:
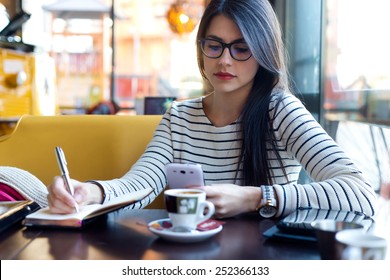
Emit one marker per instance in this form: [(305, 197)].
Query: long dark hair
[(261, 31)]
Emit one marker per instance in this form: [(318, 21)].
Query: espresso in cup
[(187, 208)]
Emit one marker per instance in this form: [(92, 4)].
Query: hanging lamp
[(182, 17)]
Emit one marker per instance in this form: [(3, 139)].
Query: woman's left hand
[(230, 200)]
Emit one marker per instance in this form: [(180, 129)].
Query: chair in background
[(97, 147)]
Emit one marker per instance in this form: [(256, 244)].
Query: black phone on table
[(300, 221), (297, 226)]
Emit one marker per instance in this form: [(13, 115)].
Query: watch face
[(267, 211)]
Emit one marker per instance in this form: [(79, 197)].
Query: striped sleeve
[(184, 135), (337, 182), (148, 171)]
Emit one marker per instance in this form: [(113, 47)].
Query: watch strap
[(268, 196), (268, 204)]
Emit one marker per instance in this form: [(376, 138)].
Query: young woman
[(250, 134)]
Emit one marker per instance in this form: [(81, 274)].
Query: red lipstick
[(224, 76)]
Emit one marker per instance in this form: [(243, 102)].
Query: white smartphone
[(181, 175)]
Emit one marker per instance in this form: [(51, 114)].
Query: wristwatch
[(267, 207)]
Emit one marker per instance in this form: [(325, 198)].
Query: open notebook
[(45, 218)]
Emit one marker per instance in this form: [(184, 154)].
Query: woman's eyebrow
[(240, 40)]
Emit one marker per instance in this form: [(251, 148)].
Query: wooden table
[(123, 235)]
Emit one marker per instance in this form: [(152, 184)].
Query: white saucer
[(164, 231)]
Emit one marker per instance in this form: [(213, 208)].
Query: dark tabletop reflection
[(163, 249), (123, 235), (110, 237), (68, 246)]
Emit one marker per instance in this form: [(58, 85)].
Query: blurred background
[(125, 50)]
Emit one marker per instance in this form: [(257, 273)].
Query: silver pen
[(64, 172)]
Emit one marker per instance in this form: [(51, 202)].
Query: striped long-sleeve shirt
[(186, 135)]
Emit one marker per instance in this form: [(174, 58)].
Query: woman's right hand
[(61, 201)]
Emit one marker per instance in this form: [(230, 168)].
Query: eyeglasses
[(214, 49)]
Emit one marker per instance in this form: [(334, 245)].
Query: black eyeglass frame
[(224, 46)]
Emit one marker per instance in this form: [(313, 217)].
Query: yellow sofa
[(96, 146)]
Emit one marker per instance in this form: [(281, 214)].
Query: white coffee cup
[(187, 208), (358, 245)]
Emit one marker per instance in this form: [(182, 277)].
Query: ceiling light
[(183, 17)]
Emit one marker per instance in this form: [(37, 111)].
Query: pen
[(64, 172)]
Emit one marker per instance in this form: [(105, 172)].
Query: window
[(357, 72)]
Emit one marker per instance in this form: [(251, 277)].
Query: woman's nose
[(226, 58)]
